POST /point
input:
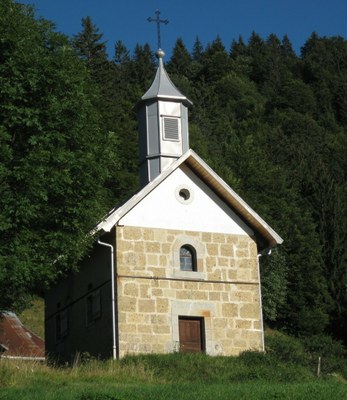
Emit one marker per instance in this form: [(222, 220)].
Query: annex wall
[(68, 298)]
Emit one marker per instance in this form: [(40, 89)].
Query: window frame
[(200, 251)]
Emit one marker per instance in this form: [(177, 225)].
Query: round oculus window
[(184, 194)]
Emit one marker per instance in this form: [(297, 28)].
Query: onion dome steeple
[(163, 124)]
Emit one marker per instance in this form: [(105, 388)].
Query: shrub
[(286, 348), (333, 354)]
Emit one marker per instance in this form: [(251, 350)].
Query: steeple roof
[(162, 86)]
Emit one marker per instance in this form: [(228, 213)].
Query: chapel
[(173, 269)]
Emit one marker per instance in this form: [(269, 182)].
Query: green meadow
[(288, 370)]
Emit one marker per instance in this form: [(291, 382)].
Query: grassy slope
[(175, 376), (286, 371), (33, 317), (129, 381)]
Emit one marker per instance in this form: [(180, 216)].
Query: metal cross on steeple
[(158, 21)]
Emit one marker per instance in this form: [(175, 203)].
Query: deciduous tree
[(51, 161)]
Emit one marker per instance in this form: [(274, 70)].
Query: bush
[(286, 348), (306, 351), (333, 354), (324, 346)]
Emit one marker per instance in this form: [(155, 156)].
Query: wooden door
[(191, 334)]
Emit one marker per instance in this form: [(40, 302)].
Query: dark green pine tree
[(198, 51), (238, 48), (121, 53), (239, 55), (274, 70), (92, 50), (143, 67), (287, 48), (301, 146), (324, 69), (303, 300), (180, 62), (257, 49), (89, 45), (216, 61)]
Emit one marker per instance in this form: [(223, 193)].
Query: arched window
[(187, 258)]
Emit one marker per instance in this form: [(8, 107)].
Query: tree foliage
[(50, 167)]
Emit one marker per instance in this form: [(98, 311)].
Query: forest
[(270, 122)]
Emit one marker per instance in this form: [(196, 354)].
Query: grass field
[(287, 371), (174, 376), (73, 390)]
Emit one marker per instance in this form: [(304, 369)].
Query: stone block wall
[(153, 292)]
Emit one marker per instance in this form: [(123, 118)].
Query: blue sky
[(127, 20)]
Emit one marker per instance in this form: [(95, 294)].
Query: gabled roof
[(16, 341), (162, 86), (266, 237)]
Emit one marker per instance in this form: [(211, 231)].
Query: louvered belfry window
[(171, 128)]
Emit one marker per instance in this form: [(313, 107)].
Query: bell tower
[(163, 124)]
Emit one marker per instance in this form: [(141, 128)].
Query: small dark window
[(187, 258), (93, 307), (61, 326), (184, 194)]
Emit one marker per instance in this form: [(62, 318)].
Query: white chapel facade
[(176, 267)]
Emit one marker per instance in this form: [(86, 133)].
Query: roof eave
[(237, 203)]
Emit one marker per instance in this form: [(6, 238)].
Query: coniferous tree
[(257, 51), (92, 50), (89, 45), (287, 48), (143, 67), (238, 48), (121, 53), (216, 61), (180, 62), (198, 51)]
